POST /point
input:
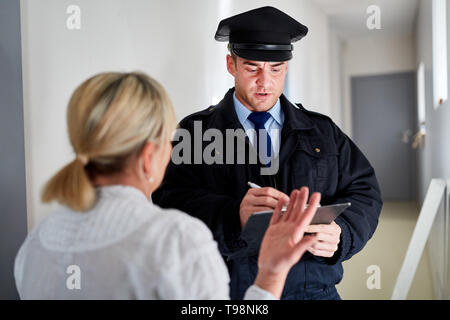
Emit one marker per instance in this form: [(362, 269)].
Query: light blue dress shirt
[(273, 125)]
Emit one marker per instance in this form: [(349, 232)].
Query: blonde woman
[(109, 234)]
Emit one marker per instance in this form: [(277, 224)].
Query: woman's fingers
[(277, 212), (294, 195), (307, 216), (300, 204)]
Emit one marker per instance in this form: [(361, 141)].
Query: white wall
[(375, 55), (337, 80), (173, 41), (434, 158)]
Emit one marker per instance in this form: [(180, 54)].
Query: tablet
[(324, 215), (257, 224)]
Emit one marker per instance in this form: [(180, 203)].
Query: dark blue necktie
[(259, 119)]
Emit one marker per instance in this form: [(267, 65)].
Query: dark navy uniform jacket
[(314, 152)]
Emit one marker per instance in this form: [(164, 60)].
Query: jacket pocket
[(315, 165)]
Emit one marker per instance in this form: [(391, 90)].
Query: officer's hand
[(259, 199), (284, 242), (327, 239)]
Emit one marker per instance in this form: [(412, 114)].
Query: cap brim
[(264, 55)]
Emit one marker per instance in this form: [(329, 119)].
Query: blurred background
[(378, 68)]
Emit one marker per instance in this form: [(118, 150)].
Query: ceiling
[(348, 17)]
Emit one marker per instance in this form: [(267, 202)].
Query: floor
[(387, 249)]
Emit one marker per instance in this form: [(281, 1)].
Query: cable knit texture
[(125, 248)]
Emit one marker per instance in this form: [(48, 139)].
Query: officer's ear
[(231, 65)]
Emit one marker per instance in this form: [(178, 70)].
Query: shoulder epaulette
[(200, 114), (312, 113)]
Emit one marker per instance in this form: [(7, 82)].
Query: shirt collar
[(243, 113), (276, 113)]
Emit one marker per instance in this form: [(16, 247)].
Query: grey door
[(383, 118)]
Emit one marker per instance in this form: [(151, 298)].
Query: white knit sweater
[(124, 248)]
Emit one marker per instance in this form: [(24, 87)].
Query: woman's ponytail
[(71, 186)]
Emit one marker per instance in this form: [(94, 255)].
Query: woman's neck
[(122, 179)]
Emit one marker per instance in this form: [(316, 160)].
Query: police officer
[(307, 148)]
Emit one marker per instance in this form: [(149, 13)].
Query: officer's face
[(258, 84)]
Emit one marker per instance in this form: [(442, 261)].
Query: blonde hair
[(110, 118)]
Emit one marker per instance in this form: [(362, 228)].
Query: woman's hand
[(284, 242)]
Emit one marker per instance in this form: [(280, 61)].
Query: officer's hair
[(110, 119)]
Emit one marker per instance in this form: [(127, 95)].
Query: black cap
[(263, 34)]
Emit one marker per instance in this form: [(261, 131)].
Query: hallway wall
[(13, 210), (434, 158)]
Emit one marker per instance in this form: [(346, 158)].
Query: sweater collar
[(122, 191)]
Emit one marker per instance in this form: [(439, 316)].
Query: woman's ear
[(147, 156)]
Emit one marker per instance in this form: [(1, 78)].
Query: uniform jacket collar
[(295, 117)]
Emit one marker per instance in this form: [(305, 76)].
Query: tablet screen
[(257, 224)]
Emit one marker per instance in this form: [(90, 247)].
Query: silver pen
[(253, 185)]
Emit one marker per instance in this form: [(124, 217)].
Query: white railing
[(437, 198)]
